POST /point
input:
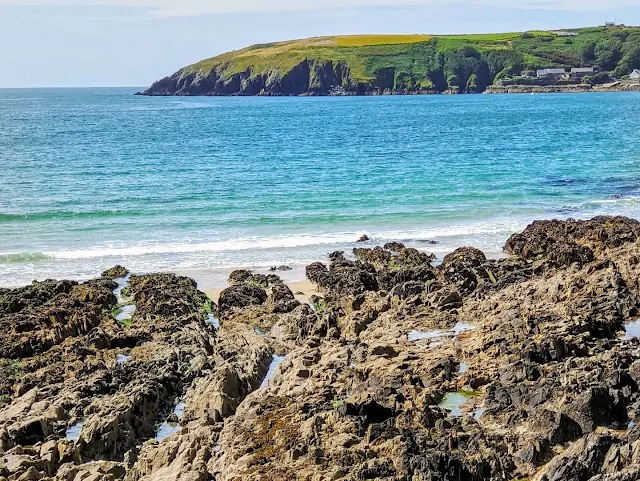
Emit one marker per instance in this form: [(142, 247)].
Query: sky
[(78, 43)]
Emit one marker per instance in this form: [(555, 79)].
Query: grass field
[(363, 40)]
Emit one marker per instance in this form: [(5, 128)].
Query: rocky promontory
[(522, 368), (402, 64)]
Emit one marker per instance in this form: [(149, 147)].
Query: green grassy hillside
[(405, 62)]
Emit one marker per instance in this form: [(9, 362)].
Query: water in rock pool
[(126, 312), (73, 432), (454, 402), (122, 358), (277, 360), (122, 283), (632, 329), (167, 428), (212, 321), (189, 184), (438, 335), (461, 327)]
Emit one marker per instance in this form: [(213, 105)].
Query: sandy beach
[(303, 290)]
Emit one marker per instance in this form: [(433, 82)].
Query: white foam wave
[(232, 245), (340, 239), (590, 205)]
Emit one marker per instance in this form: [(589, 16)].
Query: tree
[(608, 54), (588, 54), (460, 65), (630, 56), (628, 63)]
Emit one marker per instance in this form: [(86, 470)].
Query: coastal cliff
[(402, 64), (310, 77), (526, 367)]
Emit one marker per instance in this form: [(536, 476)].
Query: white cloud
[(167, 8)]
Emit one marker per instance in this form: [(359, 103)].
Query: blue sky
[(134, 42)]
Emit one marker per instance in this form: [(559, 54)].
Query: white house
[(551, 72), (581, 72), (635, 74)]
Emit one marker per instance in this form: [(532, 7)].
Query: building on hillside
[(610, 24), (581, 72), (551, 72), (635, 75)]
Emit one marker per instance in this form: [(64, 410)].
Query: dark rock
[(309, 77), (408, 290), (282, 299), (567, 242), (239, 277), (116, 272), (596, 407), (34, 295), (317, 273), (370, 410), (394, 246), (239, 297), (337, 257), (581, 462), (462, 269)]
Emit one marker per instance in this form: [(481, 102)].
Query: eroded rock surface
[(476, 369)]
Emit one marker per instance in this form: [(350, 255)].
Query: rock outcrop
[(475, 369), (309, 77)]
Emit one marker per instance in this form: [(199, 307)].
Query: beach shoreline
[(302, 290), (213, 281), (144, 363)]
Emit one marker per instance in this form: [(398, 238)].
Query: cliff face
[(310, 77)]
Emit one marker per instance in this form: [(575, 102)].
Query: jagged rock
[(477, 369), (34, 295), (317, 273), (462, 269), (583, 460), (238, 297), (239, 277), (281, 299), (115, 272), (280, 268), (596, 407), (566, 242), (394, 246)]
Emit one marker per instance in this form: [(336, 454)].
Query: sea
[(90, 178)]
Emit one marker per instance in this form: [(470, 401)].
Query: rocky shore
[(552, 89), (523, 368)]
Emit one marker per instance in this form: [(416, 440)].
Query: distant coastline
[(576, 60)]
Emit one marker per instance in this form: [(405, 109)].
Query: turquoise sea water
[(94, 177)]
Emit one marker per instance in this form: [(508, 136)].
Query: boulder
[(115, 272), (239, 297)]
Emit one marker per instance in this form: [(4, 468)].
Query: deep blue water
[(94, 177)]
